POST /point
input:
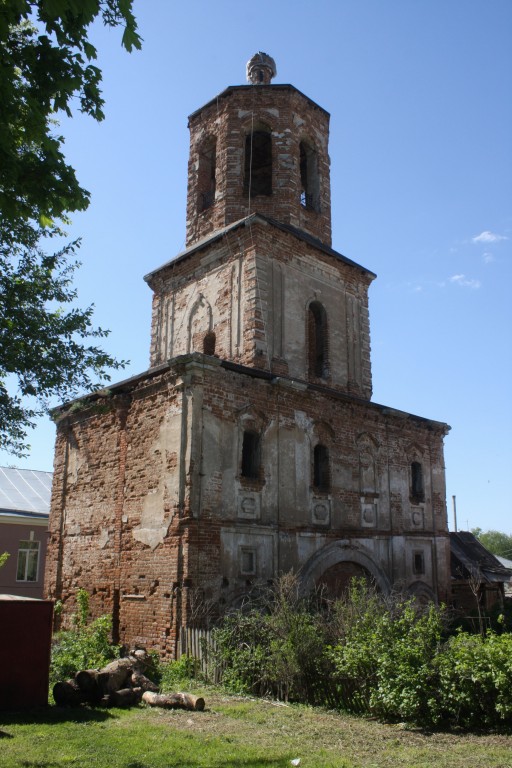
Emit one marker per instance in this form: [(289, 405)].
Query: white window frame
[(28, 550)]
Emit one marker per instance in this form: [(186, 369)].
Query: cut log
[(116, 675), (68, 694), (174, 701), (102, 686), (126, 697), (89, 683), (141, 681)]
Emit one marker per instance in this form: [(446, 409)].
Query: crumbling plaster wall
[(116, 506), (254, 291), (282, 506), (198, 294)]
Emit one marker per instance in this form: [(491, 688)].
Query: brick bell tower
[(250, 447), (258, 196), (259, 148)]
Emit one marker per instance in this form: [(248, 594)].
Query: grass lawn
[(231, 732)]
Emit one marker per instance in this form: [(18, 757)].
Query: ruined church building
[(250, 447)]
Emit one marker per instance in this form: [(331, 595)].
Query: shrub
[(475, 681), (367, 653), (183, 670), (86, 646), (385, 653), (239, 652), (395, 656), (274, 647)]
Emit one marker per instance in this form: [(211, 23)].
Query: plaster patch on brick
[(303, 421), (153, 527), (103, 539), (76, 460)]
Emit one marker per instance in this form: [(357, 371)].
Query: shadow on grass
[(236, 762), (52, 714)]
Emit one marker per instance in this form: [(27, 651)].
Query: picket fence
[(197, 643)]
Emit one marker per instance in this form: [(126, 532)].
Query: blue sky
[(419, 93)]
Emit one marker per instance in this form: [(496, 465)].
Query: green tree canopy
[(46, 66), (495, 541)]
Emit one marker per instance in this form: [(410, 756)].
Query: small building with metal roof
[(24, 509)]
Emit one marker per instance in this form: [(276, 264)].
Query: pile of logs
[(122, 683)]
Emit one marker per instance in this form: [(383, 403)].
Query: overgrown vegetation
[(386, 657), (85, 646), (182, 673)]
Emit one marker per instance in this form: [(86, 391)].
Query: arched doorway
[(337, 563), (336, 580)]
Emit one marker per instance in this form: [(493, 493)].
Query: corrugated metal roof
[(468, 555), (25, 490)]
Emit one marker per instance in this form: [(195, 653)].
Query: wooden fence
[(197, 643)]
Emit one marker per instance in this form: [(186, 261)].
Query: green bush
[(240, 650), (273, 648), (384, 653), (395, 656), (175, 673), (367, 653), (475, 681), (86, 646)]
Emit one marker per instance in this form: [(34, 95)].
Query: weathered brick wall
[(292, 118), (203, 292), (150, 513), (116, 507), (253, 289)]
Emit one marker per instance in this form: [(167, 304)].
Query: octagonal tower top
[(261, 68)]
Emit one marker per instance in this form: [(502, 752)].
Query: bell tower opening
[(309, 181), (206, 175), (258, 162)]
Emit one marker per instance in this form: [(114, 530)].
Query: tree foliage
[(497, 542), (46, 67), (47, 348)]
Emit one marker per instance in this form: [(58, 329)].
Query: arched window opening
[(309, 181), (317, 340), (258, 163), (321, 474), (209, 343), (417, 489), (206, 175), (251, 453)]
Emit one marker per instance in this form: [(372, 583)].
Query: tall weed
[(85, 646)]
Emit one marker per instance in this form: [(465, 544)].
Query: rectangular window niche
[(247, 561)]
